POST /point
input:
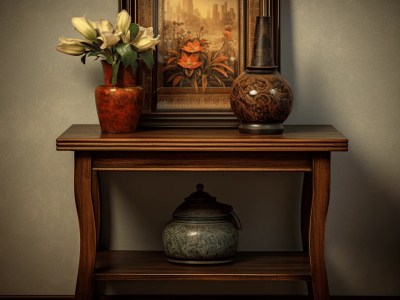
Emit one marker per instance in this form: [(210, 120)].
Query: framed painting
[(205, 45)]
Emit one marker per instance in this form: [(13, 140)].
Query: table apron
[(202, 161)]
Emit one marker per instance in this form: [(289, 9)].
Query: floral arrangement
[(127, 43), (190, 63)]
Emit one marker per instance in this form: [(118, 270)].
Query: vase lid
[(202, 206)]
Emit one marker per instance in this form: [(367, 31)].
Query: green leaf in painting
[(189, 72), (177, 80), (170, 67), (219, 59), (225, 66), (220, 82), (204, 82), (221, 71), (194, 84)]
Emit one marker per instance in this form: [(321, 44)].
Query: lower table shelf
[(152, 265)]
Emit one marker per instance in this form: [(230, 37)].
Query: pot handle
[(236, 220)]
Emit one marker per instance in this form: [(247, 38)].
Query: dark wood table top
[(85, 137)]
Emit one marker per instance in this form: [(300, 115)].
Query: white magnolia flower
[(113, 45), (104, 26), (123, 23), (126, 38), (145, 39), (74, 49), (84, 27), (109, 39), (70, 41)]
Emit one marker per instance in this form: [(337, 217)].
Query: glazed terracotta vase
[(261, 98), (119, 106)]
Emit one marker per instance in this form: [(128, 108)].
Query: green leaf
[(170, 67), (224, 66), (173, 52), (94, 53), (128, 56), (134, 29), (147, 57), (109, 60), (189, 72), (219, 59), (220, 71), (218, 80), (177, 80), (204, 82), (194, 85), (115, 68), (83, 58)]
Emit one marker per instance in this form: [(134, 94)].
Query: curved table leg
[(306, 201), (87, 226), (306, 209), (96, 204), (319, 211)]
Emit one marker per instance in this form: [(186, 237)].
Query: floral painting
[(199, 46)]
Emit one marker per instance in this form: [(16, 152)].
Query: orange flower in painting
[(228, 34), (193, 47), (189, 62)]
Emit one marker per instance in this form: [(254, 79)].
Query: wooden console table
[(304, 149)]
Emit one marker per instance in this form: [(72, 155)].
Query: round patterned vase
[(202, 231), (200, 242), (261, 100)]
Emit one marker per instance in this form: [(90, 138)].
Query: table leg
[(96, 204), (319, 211), (306, 201), (87, 226), (306, 209)]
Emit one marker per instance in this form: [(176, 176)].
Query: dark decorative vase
[(202, 231), (261, 98), (119, 106)]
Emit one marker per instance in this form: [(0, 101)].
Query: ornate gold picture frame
[(216, 37)]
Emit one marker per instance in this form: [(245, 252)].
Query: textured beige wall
[(44, 92), (342, 58)]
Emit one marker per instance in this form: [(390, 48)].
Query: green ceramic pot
[(202, 231)]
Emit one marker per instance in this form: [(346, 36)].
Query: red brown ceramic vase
[(119, 106)]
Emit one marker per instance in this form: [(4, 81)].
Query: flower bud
[(84, 27), (71, 49), (123, 22), (104, 26), (70, 41)]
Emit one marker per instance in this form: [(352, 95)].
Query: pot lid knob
[(200, 195), (202, 206)]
